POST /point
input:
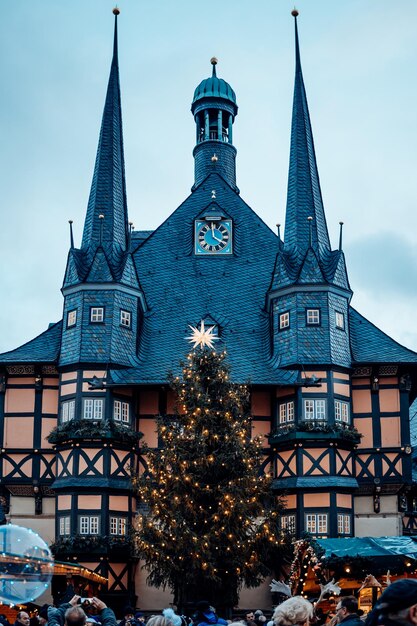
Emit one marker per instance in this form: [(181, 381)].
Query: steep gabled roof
[(371, 345), (43, 349)]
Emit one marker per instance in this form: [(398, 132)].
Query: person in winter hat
[(206, 615), (396, 606)]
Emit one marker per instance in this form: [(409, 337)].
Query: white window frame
[(313, 317), (89, 524), (118, 526), (71, 318), (93, 408), (341, 411), (64, 525), (343, 524), (97, 314), (288, 523), (284, 320), (67, 411), (317, 524), (125, 318), (286, 412), (340, 320), (315, 409), (121, 411)]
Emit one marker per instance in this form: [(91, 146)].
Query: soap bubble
[(26, 565)]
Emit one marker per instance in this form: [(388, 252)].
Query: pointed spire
[(108, 189), (340, 235), (304, 195)]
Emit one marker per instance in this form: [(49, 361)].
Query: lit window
[(125, 318), (96, 314), (286, 412), (316, 523), (93, 409), (313, 317), (340, 320), (315, 410), (64, 525), (341, 411), (343, 524), (71, 318), (284, 320), (67, 411), (89, 524), (121, 412), (288, 523), (118, 526)]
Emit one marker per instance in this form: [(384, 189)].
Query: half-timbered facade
[(330, 391)]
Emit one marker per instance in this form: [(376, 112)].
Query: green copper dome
[(214, 87)]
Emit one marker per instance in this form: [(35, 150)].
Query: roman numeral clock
[(213, 235)]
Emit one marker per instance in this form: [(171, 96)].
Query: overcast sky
[(359, 61)]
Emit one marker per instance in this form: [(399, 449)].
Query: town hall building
[(330, 391)]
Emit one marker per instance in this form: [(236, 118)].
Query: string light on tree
[(208, 526)]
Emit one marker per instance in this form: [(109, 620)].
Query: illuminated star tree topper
[(202, 337)]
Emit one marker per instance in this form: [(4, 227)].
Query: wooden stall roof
[(62, 569)]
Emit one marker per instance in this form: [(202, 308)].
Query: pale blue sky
[(359, 61)]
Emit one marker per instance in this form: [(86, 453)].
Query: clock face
[(213, 236)]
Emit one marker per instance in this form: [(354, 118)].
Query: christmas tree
[(212, 523)]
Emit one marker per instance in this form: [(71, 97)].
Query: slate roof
[(304, 197), (108, 189), (42, 349), (371, 345)]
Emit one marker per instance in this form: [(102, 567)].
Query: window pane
[(125, 318), (98, 409), (320, 409), (72, 318), (309, 409), (338, 410), (340, 320), (290, 411), (340, 527), (347, 524), (93, 525), (84, 525), (322, 523), (88, 409), (125, 412), (284, 320), (345, 412), (97, 314), (313, 316), (282, 414), (311, 523), (117, 411)]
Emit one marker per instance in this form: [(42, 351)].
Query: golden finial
[(213, 61), (101, 216), (294, 12), (116, 11), (214, 158)]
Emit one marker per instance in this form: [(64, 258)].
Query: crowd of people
[(397, 606)]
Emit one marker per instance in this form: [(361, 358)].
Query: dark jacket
[(208, 618), (56, 617), (352, 619)]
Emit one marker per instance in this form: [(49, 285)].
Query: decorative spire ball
[(213, 61), (116, 11), (294, 12)]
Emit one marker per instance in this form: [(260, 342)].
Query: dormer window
[(71, 318), (313, 317), (284, 320), (96, 314)]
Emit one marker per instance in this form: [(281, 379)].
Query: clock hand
[(216, 238)]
